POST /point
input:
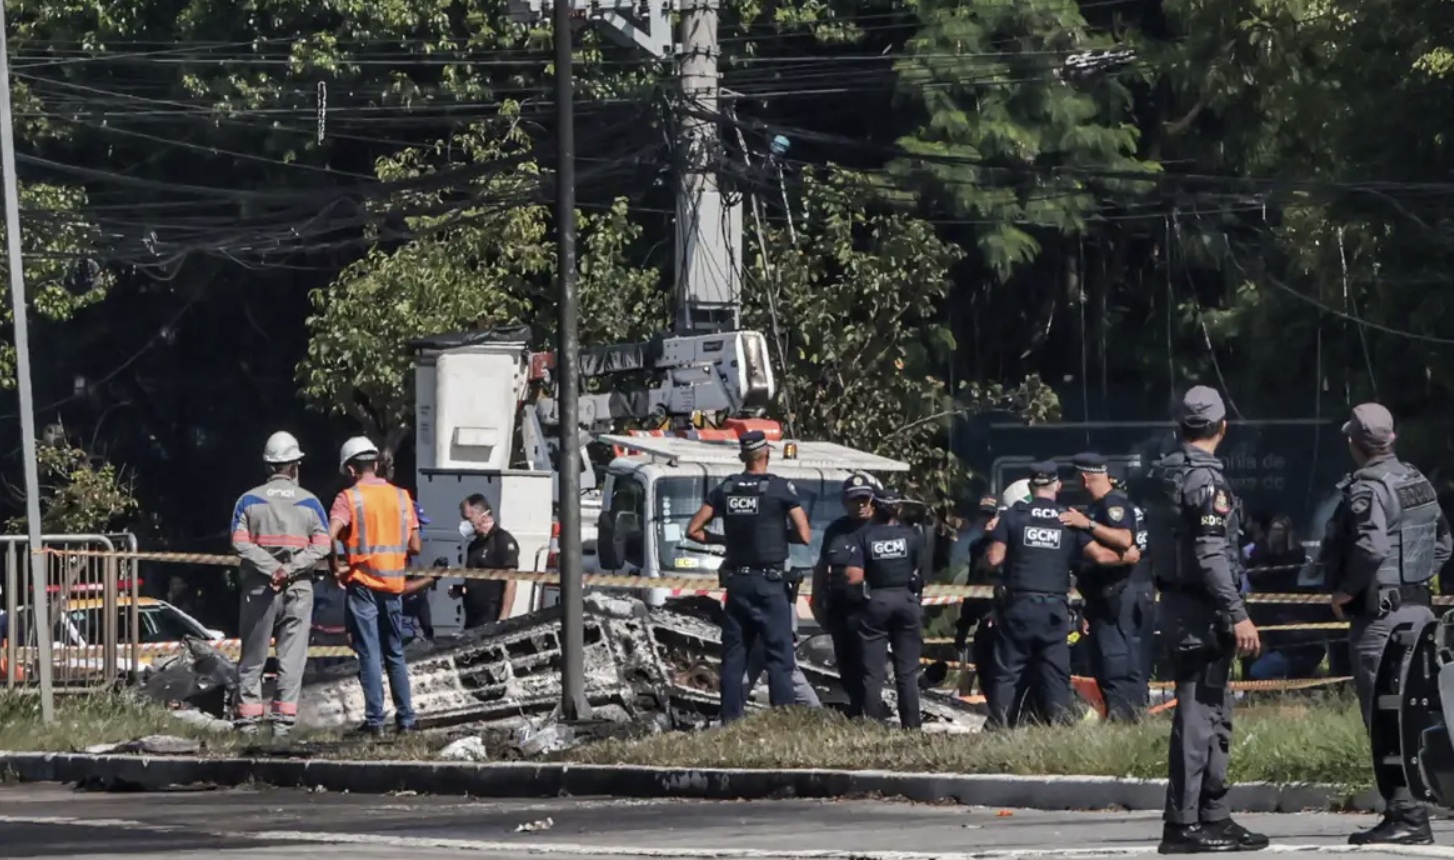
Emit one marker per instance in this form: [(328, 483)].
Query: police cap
[(419, 514), (887, 496), (1371, 427), (753, 440), (988, 505), (1201, 407), (857, 487), (1044, 474), (1089, 463)]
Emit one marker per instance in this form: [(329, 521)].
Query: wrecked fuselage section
[(656, 668)]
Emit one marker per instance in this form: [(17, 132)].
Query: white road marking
[(569, 849)]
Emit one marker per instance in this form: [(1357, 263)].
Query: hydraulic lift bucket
[(1407, 726)]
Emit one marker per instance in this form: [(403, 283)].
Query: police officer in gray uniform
[(1385, 544), (761, 515), (885, 560), (1194, 522), (1033, 615)]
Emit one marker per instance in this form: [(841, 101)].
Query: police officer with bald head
[(1194, 524), (761, 515), (886, 555), (1119, 598), (1035, 552), (1385, 544)]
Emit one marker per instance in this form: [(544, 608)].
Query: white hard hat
[(282, 447), (358, 446), (1016, 493)]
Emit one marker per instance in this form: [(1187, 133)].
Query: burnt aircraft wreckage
[(654, 668)]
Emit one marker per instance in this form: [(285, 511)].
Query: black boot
[(1194, 839), (1246, 840), (1405, 824)]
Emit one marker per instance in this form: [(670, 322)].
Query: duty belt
[(1390, 599), (1040, 596)]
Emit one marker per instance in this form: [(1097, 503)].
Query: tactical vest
[(1413, 524), (1169, 529), (890, 555), (1039, 553), (754, 523)]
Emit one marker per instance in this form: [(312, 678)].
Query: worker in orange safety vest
[(379, 529)]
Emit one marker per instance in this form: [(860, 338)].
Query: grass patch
[(1300, 738), (1292, 740)]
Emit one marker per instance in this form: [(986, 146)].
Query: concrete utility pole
[(708, 234), (573, 703), (40, 612)]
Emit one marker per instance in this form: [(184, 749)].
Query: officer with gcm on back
[(835, 605), (1035, 550), (886, 555), (761, 515), (1194, 522), (1120, 597), (1385, 544)]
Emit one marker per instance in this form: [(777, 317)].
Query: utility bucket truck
[(486, 422)]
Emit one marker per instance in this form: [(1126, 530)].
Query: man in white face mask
[(490, 548)]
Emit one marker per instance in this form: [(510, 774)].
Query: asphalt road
[(244, 824)]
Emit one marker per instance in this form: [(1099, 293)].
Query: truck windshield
[(677, 499)]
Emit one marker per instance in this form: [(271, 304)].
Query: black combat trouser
[(892, 617), (756, 607), (841, 621), (1032, 635), (1120, 622)]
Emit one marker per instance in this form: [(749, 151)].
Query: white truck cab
[(657, 483)]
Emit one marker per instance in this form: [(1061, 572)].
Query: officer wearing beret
[(886, 555), (1385, 544), (1119, 598), (835, 605), (1035, 551), (761, 515), (1194, 523)]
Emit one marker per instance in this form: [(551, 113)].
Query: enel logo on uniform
[(1045, 513), (896, 548), (1042, 538), (742, 504)]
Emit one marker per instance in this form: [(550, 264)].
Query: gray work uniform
[(1385, 544), (803, 692), (1194, 522), (276, 525)]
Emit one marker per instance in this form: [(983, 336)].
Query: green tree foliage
[(478, 266), (1006, 136), (854, 299), (80, 493), (59, 278)]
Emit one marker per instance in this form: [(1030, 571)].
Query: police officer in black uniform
[(1119, 598), (761, 515), (885, 565), (1035, 550), (1194, 522), (1385, 544), (834, 604)]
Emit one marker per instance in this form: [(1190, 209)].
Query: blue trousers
[(756, 608), (1119, 626), (376, 625)]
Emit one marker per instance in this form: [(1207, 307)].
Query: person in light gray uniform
[(1193, 520), (1385, 544), (280, 531), (803, 692)]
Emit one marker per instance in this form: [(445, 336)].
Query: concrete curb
[(523, 780)]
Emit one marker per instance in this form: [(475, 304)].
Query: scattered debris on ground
[(150, 745), (465, 749)]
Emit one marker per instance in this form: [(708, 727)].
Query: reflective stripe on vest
[(378, 541)]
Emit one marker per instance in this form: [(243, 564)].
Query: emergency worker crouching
[(1194, 522), (379, 529), (761, 515), (1035, 550), (1119, 598), (834, 603), (279, 531), (1386, 542), (886, 555)]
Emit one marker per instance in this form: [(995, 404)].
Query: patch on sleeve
[(792, 489), (1360, 505), (510, 546), (1221, 504), (1116, 513)]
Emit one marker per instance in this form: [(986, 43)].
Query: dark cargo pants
[(756, 607), (1120, 623), (892, 617), (1032, 638)]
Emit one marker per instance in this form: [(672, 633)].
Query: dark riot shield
[(1436, 752), (1404, 705)]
